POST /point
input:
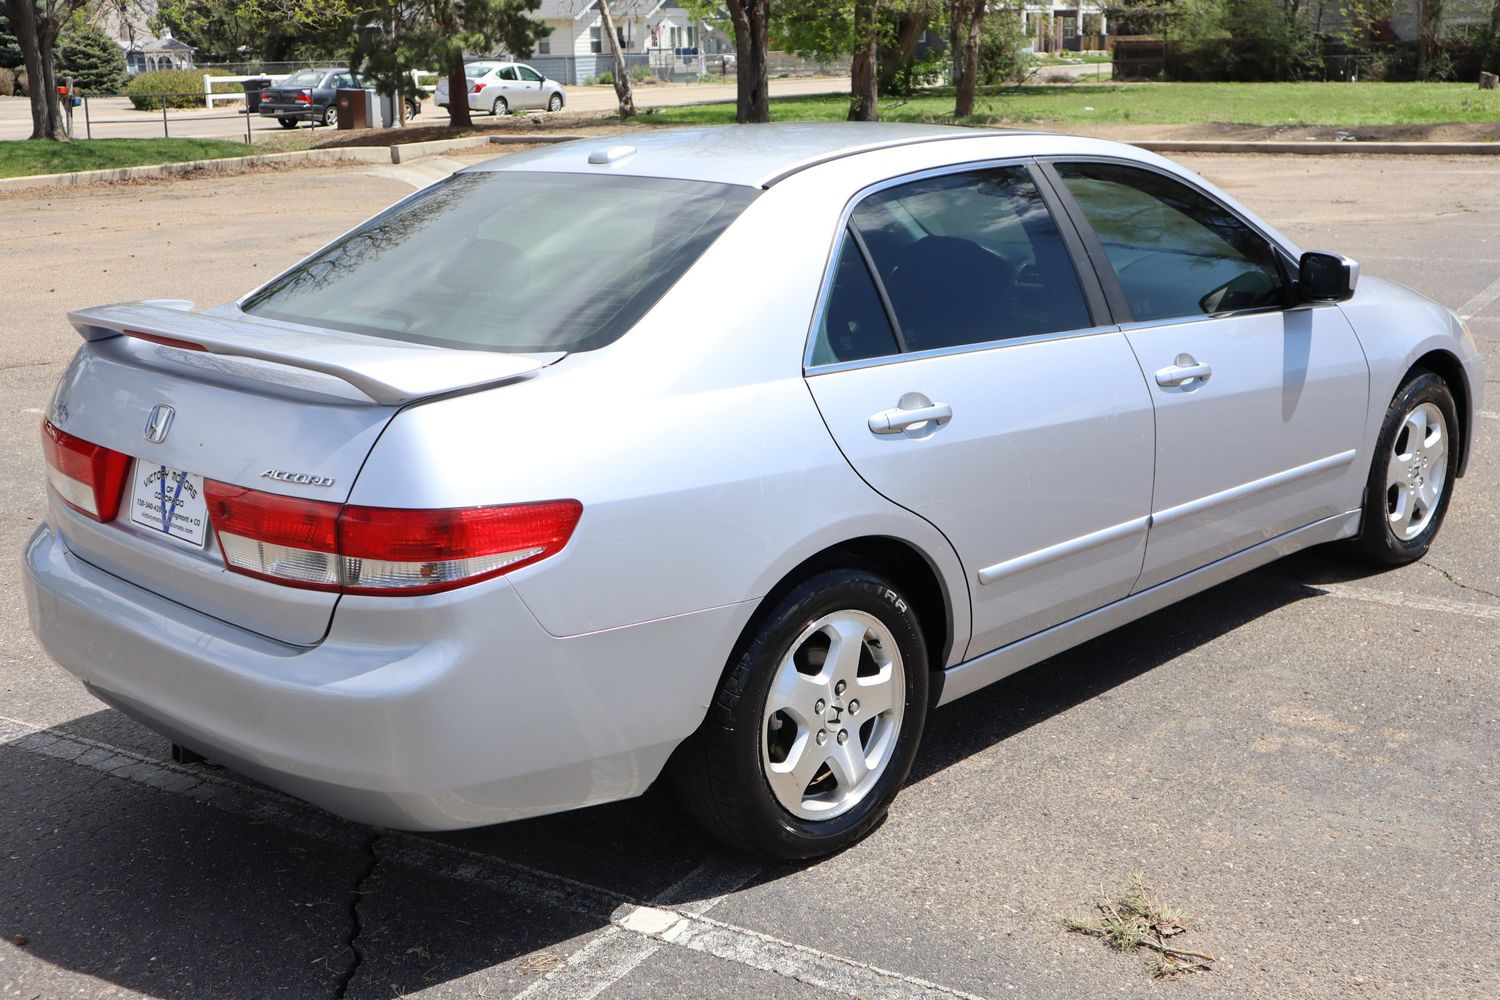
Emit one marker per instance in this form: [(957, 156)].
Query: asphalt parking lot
[(1306, 759)]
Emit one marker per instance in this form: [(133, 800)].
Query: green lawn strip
[(1156, 104), (41, 156)]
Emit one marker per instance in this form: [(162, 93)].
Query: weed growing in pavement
[(1140, 920)]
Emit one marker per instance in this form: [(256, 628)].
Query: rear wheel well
[(1451, 370), (903, 565)]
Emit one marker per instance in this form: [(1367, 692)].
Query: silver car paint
[(707, 474)]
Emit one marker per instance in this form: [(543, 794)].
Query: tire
[(500, 107), (744, 774), (287, 122), (555, 102), (331, 116), (1410, 483)]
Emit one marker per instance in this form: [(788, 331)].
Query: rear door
[(968, 374), (1260, 405)]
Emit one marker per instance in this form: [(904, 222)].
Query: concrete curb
[(1322, 148)]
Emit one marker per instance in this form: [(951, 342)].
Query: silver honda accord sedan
[(776, 437)]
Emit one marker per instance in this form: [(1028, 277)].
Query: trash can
[(252, 94), (353, 107)]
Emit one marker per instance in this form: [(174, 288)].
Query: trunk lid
[(255, 403)]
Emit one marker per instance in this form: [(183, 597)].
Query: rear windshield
[(303, 78), (509, 261)]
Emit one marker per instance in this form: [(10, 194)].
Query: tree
[(622, 76), (451, 28), (10, 46), (752, 21), (95, 63), (965, 25), (864, 96), (37, 24)]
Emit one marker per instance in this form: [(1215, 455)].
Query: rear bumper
[(452, 712), (290, 110)]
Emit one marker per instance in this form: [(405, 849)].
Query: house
[(128, 26), (656, 33), (1065, 25)]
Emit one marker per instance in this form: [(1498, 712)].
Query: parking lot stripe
[(615, 953), (1484, 612), (1489, 414), (1486, 295)]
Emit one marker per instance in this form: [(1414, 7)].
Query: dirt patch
[(509, 125)]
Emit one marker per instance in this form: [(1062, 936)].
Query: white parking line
[(1486, 295), (1489, 414), (1484, 612), (600, 964)]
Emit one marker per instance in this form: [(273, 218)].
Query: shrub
[(606, 77), (642, 74), (95, 63), (7, 82), (184, 88)]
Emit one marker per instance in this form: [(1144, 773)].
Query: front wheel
[(554, 103), (1412, 474), (816, 722)]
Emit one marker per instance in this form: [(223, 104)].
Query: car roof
[(754, 155)]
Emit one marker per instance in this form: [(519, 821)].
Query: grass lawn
[(42, 156), (1157, 104)]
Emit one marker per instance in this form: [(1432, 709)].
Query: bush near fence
[(183, 88)]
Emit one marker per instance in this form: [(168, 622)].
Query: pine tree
[(95, 63), (10, 48)]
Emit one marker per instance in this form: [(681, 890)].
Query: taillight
[(377, 550), (88, 477), (304, 98), (181, 345), (265, 95), (478, 87)]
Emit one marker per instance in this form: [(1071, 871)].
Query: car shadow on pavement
[(139, 884)]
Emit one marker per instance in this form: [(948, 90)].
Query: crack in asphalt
[(1457, 582), (356, 926)]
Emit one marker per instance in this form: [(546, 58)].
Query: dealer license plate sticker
[(170, 502)]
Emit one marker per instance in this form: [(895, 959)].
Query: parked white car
[(502, 87), (773, 437)]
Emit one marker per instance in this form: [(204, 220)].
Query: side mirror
[(1326, 277)]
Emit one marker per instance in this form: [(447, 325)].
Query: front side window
[(529, 74), (509, 261), (970, 258), (1176, 251)]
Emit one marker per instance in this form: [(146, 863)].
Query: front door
[(1260, 405), (531, 87), (958, 366)]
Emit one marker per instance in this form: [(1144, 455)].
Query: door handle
[(914, 409), (1184, 369)]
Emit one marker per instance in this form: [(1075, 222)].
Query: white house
[(128, 26), (1057, 25), (658, 33)]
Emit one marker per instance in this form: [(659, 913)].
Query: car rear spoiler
[(390, 372)]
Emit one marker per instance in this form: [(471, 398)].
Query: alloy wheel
[(1417, 471)]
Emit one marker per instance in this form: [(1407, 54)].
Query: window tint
[(853, 325), (1176, 251), (509, 261), (527, 73), (506, 73), (969, 258)]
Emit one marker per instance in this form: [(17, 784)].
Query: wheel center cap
[(835, 714)]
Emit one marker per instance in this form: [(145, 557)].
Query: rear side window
[(970, 258), (853, 326), (506, 73), (1176, 251), (509, 261)]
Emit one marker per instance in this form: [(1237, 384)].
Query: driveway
[(1305, 759)]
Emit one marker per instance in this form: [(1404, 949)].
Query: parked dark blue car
[(307, 95)]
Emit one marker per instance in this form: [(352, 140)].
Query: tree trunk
[(751, 19), (864, 98), (458, 93), (968, 20), (36, 34), (899, 57), (622, 77)]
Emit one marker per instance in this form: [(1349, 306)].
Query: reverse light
[(88, 477), (375, 550)]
